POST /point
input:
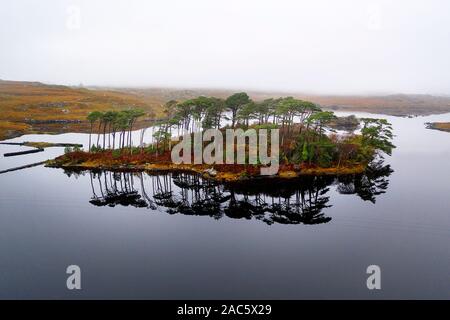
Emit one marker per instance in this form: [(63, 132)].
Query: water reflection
[(368, 185), (297, 201)]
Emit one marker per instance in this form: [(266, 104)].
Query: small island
[(308, 141)]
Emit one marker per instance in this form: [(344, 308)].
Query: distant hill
[(396, 105), (27, 107)]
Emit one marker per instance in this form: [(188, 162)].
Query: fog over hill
[(394, 104)]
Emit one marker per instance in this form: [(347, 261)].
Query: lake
[(177, 236)]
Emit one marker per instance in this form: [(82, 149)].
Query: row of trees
[(111, 123), (207, 112)]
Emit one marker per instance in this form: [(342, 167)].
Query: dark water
[(178, 236)]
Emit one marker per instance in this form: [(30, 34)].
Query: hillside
[(394, 105), (28, 107)]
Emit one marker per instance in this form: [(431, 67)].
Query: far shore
[(34, 107), (441, 126)]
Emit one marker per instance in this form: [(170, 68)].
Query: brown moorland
[(31, 107), (34, 107), (395, 105)]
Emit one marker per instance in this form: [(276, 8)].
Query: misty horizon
[(321, 48), (271, 92)]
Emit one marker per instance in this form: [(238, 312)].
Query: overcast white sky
[(318, 46)]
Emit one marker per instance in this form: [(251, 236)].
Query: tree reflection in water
[(295, 201), (368, 185)]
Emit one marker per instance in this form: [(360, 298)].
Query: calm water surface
[(177, 236)]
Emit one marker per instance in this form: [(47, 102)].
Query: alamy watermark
[(374, 17), (236, 150), (374, 280), (73, 282), (73, 21)]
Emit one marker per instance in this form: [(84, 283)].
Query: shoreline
[(209, 171)]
